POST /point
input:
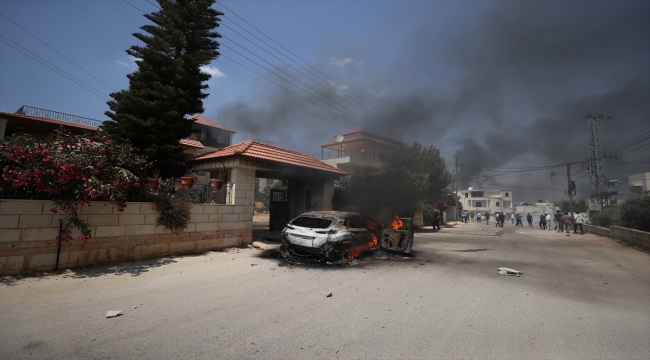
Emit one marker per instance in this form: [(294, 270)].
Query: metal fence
[(199, 193)]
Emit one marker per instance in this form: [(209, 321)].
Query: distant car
[(337, 235)]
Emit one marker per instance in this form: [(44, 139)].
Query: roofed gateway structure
[(309, 182)]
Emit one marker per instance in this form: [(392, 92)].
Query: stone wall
[(637, 238), (28, 231)]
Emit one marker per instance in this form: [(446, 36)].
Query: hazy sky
[(499, 84)]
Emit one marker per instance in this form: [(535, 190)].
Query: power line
[(63, 56), (54, 68), (247, 58), (341, 87), (289, 90)]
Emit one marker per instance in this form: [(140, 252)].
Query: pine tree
[(168, 84)]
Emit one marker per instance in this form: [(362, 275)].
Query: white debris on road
[(511, 272), (114, 313)]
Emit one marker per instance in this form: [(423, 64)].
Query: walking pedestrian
[(558, 221), (512, 218), (487, 218), (436, 220), (568, 221), (496, 219), (579, 220), (471, 215), (529, 218), (479, 216), (542, 221), (518, 217), (548, 221), (502, 218)]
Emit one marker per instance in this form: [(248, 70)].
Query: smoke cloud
[(502, 85)]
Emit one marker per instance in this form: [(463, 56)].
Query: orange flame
[(397, 223), (357, 250)]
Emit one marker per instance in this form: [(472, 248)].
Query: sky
[(499, 85)]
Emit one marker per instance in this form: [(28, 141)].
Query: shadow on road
[(133, 268)]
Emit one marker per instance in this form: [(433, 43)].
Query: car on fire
[(342, 236)]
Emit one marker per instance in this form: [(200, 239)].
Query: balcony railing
[(55, 115), (360, 155)]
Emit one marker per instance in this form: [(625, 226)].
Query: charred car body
[(336, 235)]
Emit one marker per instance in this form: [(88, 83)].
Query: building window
[(498, 203), (479, 204), (465, 194), (507, 195), (477, 193)]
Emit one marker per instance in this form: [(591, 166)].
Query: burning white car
[(337, 235)]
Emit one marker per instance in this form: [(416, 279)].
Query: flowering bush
[(74, 170)]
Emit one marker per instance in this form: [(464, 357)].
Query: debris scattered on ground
[(329, 294), (114, 313), (135, 307), (511, 272)]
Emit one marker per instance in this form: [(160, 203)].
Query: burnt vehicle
[(336, 235)]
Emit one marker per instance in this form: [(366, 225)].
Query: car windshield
[(312, 222)]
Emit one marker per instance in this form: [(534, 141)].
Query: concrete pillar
[(243, 186), (3, 127)]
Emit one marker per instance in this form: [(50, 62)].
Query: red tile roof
[(48, 120), (258, 150), (191, 143), (207, 122)]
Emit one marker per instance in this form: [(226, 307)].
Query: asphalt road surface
[(581, 297)]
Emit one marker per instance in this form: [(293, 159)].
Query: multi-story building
[(485, 200), (359, 150)]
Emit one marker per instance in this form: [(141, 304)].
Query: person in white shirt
[(548, 221), (578, 222), (512, 217)]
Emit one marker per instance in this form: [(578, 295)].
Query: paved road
[(581, 297)]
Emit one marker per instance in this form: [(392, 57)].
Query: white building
[(639, 183), (486, 200)]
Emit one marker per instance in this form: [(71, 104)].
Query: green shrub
[(607, 217), (174, 212), (634, 213)]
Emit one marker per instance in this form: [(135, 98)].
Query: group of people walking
[(562, 221)]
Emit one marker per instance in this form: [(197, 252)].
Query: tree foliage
[(412, 173), (73, 170), (634, 213), (168, 84)]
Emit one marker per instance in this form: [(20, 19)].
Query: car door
[(397, 236), (358, 232)]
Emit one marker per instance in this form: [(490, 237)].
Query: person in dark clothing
[(529, 218), (518, 217), (558, 221), (502, 218), (487, 218), (542, 222), (436, 220)]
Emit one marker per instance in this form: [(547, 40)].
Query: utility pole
[(572, 188), (453, 190), (596, 169), (553, 188)]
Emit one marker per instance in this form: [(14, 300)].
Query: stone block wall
[(640, 239), (28, 231)]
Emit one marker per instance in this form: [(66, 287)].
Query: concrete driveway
[(581, 297)]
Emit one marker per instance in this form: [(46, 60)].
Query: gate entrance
[(278, 209)]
